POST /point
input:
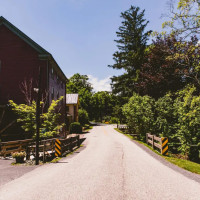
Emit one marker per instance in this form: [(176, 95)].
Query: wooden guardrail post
[(44, 150), (153, 142), (79, 143), (71, 144), (160, 143)]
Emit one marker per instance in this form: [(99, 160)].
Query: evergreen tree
[(131, 50)]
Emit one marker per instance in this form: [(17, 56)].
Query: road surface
[(111, 167)]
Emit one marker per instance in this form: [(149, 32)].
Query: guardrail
[(29, 146), (160, 143), (122, 127), (14, 146)]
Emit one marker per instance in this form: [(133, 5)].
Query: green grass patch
[(55, 160), (129, 136), (88, 128), (185, 164)]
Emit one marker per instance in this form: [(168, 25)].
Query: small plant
[(19, 156), (75, 127), (83, 117), (114, 120)]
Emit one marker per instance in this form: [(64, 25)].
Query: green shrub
[(83, 117), (139, 114), (75, 127), (107, 118), (114, 120), (187, 111)]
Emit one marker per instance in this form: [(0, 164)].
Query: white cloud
[(100, 85)]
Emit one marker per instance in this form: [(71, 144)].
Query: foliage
[(102, 103), (187, 111), (83, 117), (165, 119), (158, 74), (185, 19), (170, 65), (131, 50), (114, 120), (50, 125), (139, 114), (80, 84), (75, 127), (21, 154), (77, 82), (26, 116)]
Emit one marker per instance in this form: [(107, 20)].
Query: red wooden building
[(20, 59)]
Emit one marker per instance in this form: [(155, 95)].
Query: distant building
[(72, 104), (20, 59)]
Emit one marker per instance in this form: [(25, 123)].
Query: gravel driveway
[(111, 167)]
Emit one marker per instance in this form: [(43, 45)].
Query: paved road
[(111, 167)]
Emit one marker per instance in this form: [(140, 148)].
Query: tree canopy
[(131, 45)]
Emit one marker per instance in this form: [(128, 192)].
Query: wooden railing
[(122, 127), (70, 143), (6, 148), (14, 146), (160, 143)]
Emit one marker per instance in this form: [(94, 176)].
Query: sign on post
[(58, 150), (164, 146)]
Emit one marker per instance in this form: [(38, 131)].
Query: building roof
[(43, 54), (71, 98)]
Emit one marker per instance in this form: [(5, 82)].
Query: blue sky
[(79, 33)]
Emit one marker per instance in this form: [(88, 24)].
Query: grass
[(185, 164), (88, 128), (55, 160)]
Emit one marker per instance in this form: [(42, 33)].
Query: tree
[(102, 103), (80, 84), (159, 74), (83, 117), (185, 20), (50, 124), (139, 114), (131, 45)]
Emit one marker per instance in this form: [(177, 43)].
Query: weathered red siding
[(19, 62)]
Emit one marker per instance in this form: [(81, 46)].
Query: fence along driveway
[(45, 145)]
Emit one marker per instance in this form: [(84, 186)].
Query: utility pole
[(38, 119)]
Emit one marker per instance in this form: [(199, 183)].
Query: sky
[(79, 34)]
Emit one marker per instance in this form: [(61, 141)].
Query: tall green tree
[(102, 104), (79, 84), (131, 45)]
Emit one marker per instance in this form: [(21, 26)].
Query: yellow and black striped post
[(164, 146), (58, 150)]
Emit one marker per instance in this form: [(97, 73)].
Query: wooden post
[(38, 119), (44, 157), (27, 152), (153, 141), (70, 146), (147, 138), (79, 141)]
